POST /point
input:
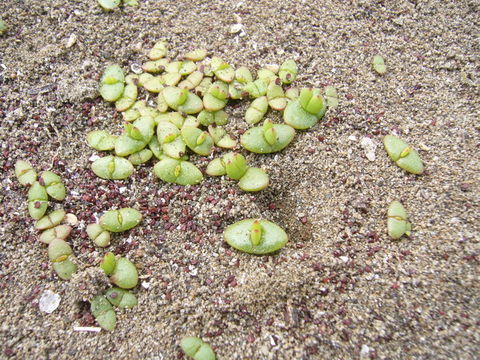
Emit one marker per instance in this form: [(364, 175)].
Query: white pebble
[(49, 301), (364, 351), (235, 28), (93, 157), (369, 147), (71, 41)]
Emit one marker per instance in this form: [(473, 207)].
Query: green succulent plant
[(378, 65), (112, 83), (122, 271), (306, 111), (397, 223), (403, 155), (120, 220), (112, 167), (255, 236), (197, 349), (25, 173), (103, 313), (268, 138)]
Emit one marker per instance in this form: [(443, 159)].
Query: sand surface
[(340, 289)]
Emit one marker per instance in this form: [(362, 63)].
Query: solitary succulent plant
[(397, 223), (197, 349), (403, 155), (255, 236)]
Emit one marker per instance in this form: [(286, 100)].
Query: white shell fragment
[(49, 302), (71, 219), (369, 147), (71, 41), (236, 28), (87, 328)]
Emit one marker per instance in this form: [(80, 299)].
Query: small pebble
[(49, 301)]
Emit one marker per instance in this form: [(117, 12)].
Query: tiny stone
[(93, 157), (236, 28), (369, 147), (71, 219), (364, 351), (71, 41), (49, 301), (136, 68)]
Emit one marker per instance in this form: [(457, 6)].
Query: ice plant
[(51, 220), (267, 138), (112, 83), (57, 232), (403, 155), (101, 140), (25, 173), (288, 71), (397, 223), (112, 167), (103, 313), (306, 111), (37, 200), (331, 97), (120, 220), (59, 252), (122, 271), (197, 349), (121, 298), (53, 185), (178, 171), (378, 65), (255, 236), (98, 235), (257, 109)]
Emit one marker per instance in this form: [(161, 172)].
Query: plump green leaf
[(238, 235)]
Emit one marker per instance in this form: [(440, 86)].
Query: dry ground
[(340, 289)]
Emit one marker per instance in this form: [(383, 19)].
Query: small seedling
[(197, 349), (98, 235), (103, 313), (306, 111), (112, 167), (51, 220), (25, 173), (403, 155), (397, 223), (122, 271), (120, 220), (378, 65), (255, 236), (268, 138)]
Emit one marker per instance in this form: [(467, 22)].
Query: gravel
[(340, 288)]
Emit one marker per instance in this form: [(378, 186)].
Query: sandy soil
[(340, 289)]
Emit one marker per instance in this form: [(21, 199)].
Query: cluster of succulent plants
[(235, 166), (408, 159), (42, 187), (403, 155), (122, 272), (189, 116), (124, 275), (113, 221), (191, 93)]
